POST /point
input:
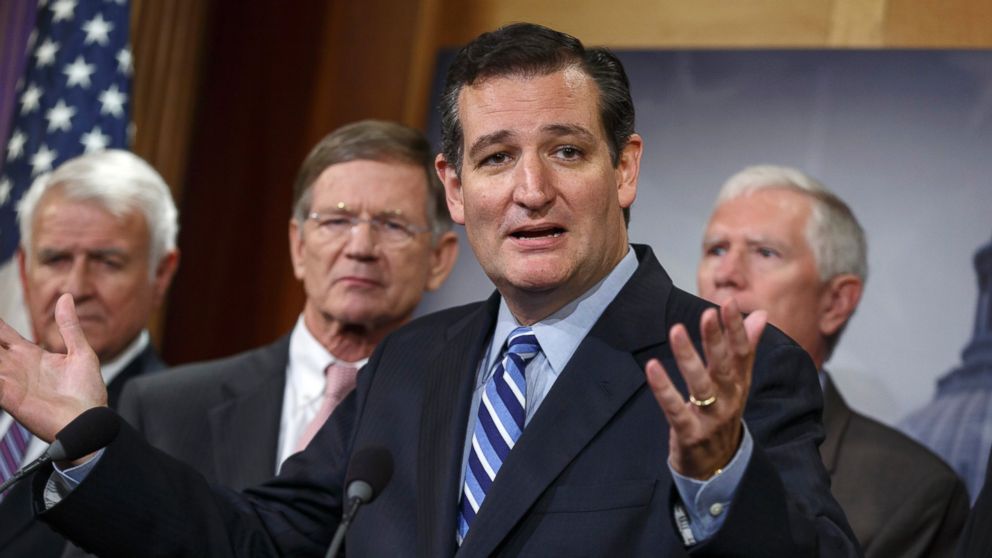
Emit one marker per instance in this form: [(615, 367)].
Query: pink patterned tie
[(340, 381)]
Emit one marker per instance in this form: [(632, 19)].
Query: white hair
[(833, 233), (118, 181)]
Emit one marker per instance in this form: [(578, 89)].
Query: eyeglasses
[(387, 230)]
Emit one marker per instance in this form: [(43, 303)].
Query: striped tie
[(12, 450), (499, 423)]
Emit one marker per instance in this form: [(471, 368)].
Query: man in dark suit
[(779, 241), (236, 419), (101, 227), (553, 419), (976, 538)]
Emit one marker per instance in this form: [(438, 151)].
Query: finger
[(667, 395), (690, 364), (733, 322), (715, 348), (754, 325), (68, 322)]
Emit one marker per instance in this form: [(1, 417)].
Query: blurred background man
[(780, 241), (369, 235), (101, 227)]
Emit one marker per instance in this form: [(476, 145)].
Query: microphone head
[(368, 473), (93, 429)]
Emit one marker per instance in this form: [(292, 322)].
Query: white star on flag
[(124, 61), (15, 147), (63, 9), (30, 99), (94, 140), (42, 160), (97, 31), (45, 54), (112, 101), (60, 116), (78, 73), (5, 188)]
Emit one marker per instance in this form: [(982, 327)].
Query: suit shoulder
[(270, 358), (867, 435), (435, 323)]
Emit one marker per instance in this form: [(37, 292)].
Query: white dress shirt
[(304, 387)]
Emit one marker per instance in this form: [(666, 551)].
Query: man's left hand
[(706, 431)]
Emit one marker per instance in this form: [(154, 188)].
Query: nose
[(729, 270), (77, 281), (361, 244), (534, 188)]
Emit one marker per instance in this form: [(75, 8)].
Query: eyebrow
[(47, 253), (343, 208), (557, 130)]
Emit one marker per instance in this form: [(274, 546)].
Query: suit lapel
[(245, 426), (448, 397), (602, 375), (836, 416)]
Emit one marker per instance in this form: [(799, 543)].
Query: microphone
[(91, 430), (369, 472)]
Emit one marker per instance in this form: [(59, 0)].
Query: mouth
[(541, 232)]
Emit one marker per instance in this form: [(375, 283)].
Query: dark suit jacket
[(222, 417), (588, 477), (20, 533), (899, 497), (976, 539)]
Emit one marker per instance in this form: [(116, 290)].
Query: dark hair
[(527, 49), (373, 140)]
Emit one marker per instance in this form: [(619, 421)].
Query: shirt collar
[(560, 333), (307, 361), (110, 370)]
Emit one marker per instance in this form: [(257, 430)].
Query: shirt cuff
[(61, 483), (706, 503)]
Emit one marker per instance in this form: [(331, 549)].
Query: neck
[(348, 342)]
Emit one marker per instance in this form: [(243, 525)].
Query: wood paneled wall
[(230, 95)]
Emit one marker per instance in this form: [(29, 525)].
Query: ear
[(443, 256), (452, 188), (22, 267), (164, 273), (838, 302), (296, 248), (628, 169)]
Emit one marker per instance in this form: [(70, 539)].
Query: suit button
[(716, 509)]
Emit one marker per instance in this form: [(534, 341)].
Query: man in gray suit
[(780, 241), (369, 234)]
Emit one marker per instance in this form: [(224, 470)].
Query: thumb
[(68, 322)]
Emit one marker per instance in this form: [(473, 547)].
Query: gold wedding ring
[(701, 403)]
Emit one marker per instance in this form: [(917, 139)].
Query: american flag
[(74, 98)]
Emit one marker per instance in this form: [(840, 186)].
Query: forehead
[(372, 186), (772, 212), (524, 105), (61, 222)]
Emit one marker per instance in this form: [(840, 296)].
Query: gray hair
[(834, 234), (118, 181)]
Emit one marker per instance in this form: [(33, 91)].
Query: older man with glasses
[(370, 233)]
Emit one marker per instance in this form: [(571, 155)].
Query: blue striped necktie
[(12, 448), (499, 423)]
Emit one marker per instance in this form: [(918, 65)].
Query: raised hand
[(706, 431), (45, 391)]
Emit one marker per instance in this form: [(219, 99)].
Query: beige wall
[(741, 23)]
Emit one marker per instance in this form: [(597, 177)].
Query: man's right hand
[(45, 391)]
